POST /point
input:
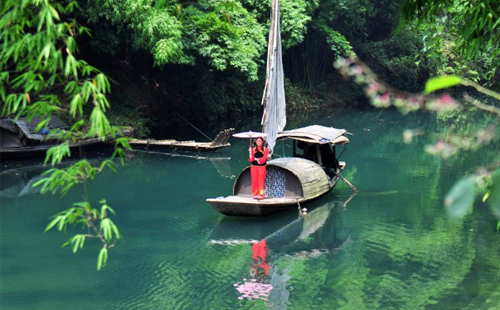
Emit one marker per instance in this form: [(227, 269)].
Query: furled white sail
[(273, 100)]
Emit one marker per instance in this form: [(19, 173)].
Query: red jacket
[(260, 160)]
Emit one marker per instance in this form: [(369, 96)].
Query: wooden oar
[(348, 183)]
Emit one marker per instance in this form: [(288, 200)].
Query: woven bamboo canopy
[(316, 134)]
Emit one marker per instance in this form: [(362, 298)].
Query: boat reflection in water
[(18, 182), (303, 236), (17, 179)]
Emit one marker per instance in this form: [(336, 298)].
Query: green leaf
[(104, 210), (102, 258), (486, 195), (76, 105), (460, 198), (494, 197), (115, 230), (53, 223), (77, 242), (441, 82), (105, 229), (62, 223)]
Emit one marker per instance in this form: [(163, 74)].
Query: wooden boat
[(290, 181), (220, 141), (40, 150), (18, 139)]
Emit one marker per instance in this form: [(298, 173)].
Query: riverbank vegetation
[(200, 82)]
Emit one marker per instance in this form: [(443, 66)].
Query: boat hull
[(242, 205), (247, 206), (40, 150), (305, 181)]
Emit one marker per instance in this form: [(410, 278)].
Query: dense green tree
[(464, 35), (365, 28), (223, 33)]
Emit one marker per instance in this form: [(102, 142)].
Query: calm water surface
[(390, 247)]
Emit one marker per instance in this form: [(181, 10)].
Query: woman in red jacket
[(258, 158)]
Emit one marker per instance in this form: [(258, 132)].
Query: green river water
[(389, 247)]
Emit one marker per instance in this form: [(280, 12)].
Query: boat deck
[(220, 141), (174, 144), (247, 199)]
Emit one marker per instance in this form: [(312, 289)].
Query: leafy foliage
[(349, 28), (221, 33), (41, 76), (462, 34), (96, 222), (475, 23), (224, 33)]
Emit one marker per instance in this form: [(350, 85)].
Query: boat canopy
[(316, 134), (288, 177), (21, 132)]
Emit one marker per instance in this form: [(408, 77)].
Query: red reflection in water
[(256, 288), (259, 263)]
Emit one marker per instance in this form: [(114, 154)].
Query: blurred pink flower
[(254, 290)]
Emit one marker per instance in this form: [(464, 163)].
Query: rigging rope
[(193, 126)]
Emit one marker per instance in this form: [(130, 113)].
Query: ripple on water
[(179, 281)]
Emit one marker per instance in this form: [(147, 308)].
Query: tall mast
[(273, 99)]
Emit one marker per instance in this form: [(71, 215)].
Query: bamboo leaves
[(99, 123), (76, 242), (469, 29), (71, 66), (102, 258), (107, 229), (64, 179), (98, 225), (40, 75), (35, 61), (104, 209), (56, 154)]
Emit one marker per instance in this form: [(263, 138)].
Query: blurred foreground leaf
[(494, 197), (441, 82), (460, 198)]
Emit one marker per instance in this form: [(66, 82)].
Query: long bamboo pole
[(348, 183)]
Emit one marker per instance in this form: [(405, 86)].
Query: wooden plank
[(218, 139)]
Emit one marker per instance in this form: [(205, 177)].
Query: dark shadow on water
[(283, 231)]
